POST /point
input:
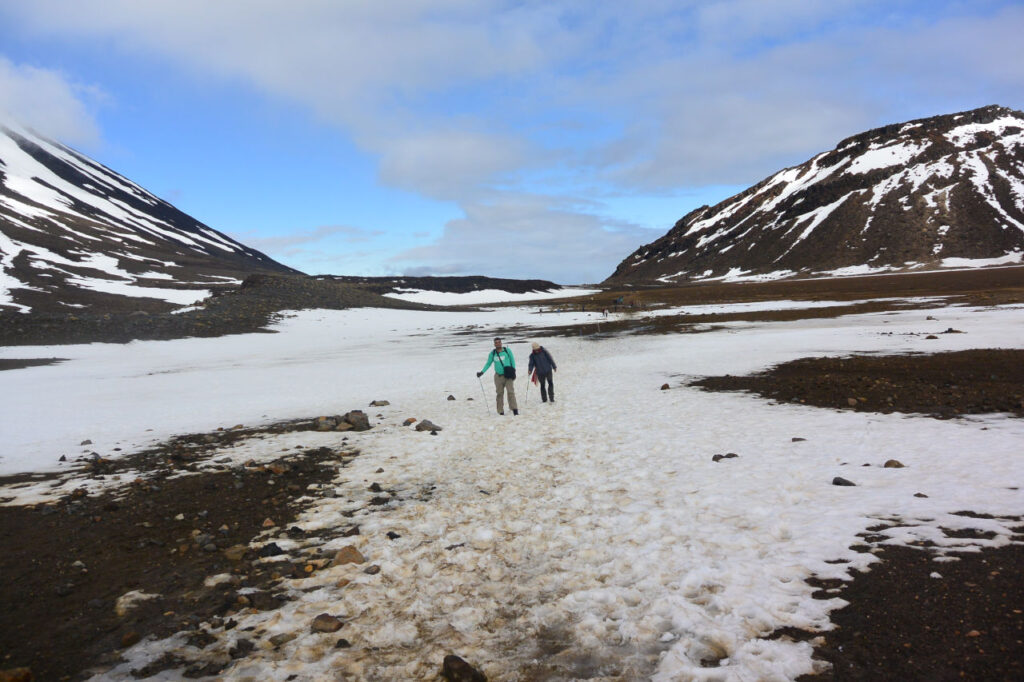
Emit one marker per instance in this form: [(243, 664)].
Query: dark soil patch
[(902, 624), (163, 534), (869, 294), (249, 308), (942, 384), (19, 364)]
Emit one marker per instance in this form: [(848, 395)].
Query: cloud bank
[(528, 113)]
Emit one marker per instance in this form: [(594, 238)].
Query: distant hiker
[(541, 360), (504, 375)]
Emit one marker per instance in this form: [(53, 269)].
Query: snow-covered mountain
[(945, 191), (75, 234)]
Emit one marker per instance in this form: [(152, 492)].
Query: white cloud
[(46, 101), (457, 98), (530, 237)]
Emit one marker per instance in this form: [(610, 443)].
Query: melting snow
[(605, 524)]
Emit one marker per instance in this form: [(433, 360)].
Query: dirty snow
[(599, 523)]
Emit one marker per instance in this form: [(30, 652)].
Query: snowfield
[(595, 533)]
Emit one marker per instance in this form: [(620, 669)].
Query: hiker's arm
[(490, 360)]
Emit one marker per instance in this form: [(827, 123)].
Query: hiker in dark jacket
[(541, 360)]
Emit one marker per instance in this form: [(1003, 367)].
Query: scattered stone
[(950, 330), (326, 623), (454, 669), (379, 403), (375, 488), (268, 523), (241, 648), (372, 570), (235, 552), (427, 425), (719, 458), (973, 633), (343, 644), (392, 535), (358, 420), (893, 464), (130, 638), (838, 480), (348, 555), (270, 549), (664, 387), (798, 439), (283, 638), (410, 421), (852, 402), (86, 442), (451, 397), (920, 495), (931, 336)]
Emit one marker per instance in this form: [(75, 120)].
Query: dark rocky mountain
[(76, 235), (455, 285), (931, 193)]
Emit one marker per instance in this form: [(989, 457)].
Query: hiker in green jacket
[(504, 375)]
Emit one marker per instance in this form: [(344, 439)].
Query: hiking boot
[(515, 412)]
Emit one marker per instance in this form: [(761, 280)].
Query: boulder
[(358, 420), (379, 403), (838, 480), (427, 425), (893, 464)]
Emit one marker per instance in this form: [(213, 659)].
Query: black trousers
[(547, 387)]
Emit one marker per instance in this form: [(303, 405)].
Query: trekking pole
[(483, 393)]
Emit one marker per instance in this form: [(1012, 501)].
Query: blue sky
[(507, 138)]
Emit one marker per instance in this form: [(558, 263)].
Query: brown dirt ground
[(57, 617), (940, 384)]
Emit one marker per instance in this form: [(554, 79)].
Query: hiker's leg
[(499, 387), (510, 386), (543, 388), (551, 386)]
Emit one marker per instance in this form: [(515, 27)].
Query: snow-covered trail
[(612, 549), (595, 538)]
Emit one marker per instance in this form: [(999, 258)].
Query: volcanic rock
[(907, 195)]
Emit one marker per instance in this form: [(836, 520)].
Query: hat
[(536, 346)]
